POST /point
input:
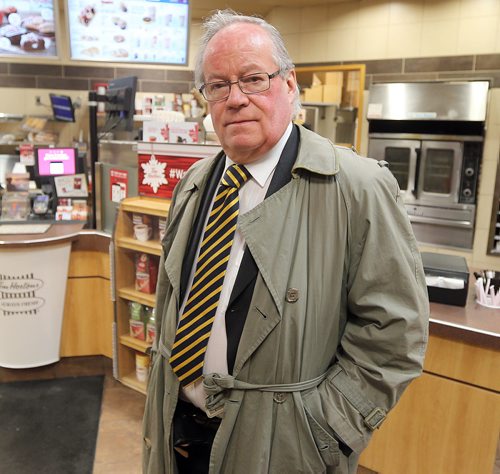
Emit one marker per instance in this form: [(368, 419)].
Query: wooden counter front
[(88, 309), (448, 420), (87, 327)]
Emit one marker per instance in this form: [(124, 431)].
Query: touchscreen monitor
[(55, 161)]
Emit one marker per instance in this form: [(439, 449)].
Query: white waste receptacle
[(32, 291)]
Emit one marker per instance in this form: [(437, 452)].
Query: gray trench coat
[(336, 329)]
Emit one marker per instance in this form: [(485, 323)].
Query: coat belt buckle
[(213, 412), (375, 418)]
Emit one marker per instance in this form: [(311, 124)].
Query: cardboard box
[(183, 132), (331, 78), (332, 93), (155, 131), (313, 94)]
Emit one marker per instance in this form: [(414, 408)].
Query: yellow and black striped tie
[(195, 324)]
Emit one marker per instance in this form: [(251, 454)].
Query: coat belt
[(216, 385)]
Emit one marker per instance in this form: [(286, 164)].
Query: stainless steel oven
[(432, 169), (431, 135)]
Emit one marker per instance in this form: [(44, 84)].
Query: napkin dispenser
[(447, 278)]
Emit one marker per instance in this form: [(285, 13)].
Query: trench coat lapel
[(273, 258), (270, 231), (282, 175), (179, 230)]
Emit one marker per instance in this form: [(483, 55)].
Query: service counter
[(53, 283), (448, 421)]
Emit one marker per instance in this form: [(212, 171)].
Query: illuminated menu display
[(28, 28), (129, 30)]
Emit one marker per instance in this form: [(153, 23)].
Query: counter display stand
[(125, 249)]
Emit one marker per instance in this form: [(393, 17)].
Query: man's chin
[(242, 151)]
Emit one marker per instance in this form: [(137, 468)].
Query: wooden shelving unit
[(125, 248)]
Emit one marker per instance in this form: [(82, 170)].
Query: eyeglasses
[(250, 84)]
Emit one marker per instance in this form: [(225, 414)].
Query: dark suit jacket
[(242, 292)]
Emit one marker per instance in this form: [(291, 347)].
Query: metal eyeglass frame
[(230, 84)]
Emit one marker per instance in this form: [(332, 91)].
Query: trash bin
[(32, 291)]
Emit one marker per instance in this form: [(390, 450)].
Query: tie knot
[(235, 176)]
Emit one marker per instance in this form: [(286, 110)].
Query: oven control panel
[(470, 172)]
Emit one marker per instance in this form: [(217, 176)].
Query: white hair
[(223, 18)]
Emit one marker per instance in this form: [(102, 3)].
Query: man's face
[(247, 125)]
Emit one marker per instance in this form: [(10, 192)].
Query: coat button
[(292, 295), (147, 443), (279, 397)]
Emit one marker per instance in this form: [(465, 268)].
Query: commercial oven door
[(402, 156), (439, 173)]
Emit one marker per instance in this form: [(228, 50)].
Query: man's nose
[(236, 97)]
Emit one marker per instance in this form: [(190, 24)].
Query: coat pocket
[(326, 443)]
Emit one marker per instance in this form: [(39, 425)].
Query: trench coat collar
[(316, 155)]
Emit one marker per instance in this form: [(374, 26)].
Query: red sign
[(159, 174), (118, 181)]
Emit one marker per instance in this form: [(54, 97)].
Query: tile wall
[(376, 29)]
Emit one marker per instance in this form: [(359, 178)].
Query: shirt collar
[(262, 169)]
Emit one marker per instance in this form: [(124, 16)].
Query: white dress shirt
[(251, 194)]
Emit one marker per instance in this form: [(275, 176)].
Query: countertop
[(56, 232), (473, 323)]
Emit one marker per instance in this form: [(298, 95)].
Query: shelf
[(150, 246), (130, 380), (125, 245), (18, 117), (144, 205), (321, 104), (134, 343), (131, 294)]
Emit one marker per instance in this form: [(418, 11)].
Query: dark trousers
[(194, 435)]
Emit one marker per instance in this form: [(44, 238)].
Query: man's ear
[(291, 81)]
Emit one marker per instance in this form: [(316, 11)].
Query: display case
[(127, 287)]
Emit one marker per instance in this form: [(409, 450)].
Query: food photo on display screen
[(129, 30), (27, 28)]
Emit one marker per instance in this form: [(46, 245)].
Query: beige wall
[(378, 29), (381, 29)]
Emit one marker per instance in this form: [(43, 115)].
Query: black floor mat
[(49, 426)]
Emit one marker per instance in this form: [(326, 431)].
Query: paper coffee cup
[(142, 232)]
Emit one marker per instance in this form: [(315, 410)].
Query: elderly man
[(291, 303)]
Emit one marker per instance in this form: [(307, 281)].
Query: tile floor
[(118, 449), (119, 442)]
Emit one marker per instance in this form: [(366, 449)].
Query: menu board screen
[(148, 31), (27, 28)]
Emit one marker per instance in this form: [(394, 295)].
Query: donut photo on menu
[(32, 42), (87, 15), (28, 28)]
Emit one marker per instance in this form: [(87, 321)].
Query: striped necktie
[(195, 324)]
